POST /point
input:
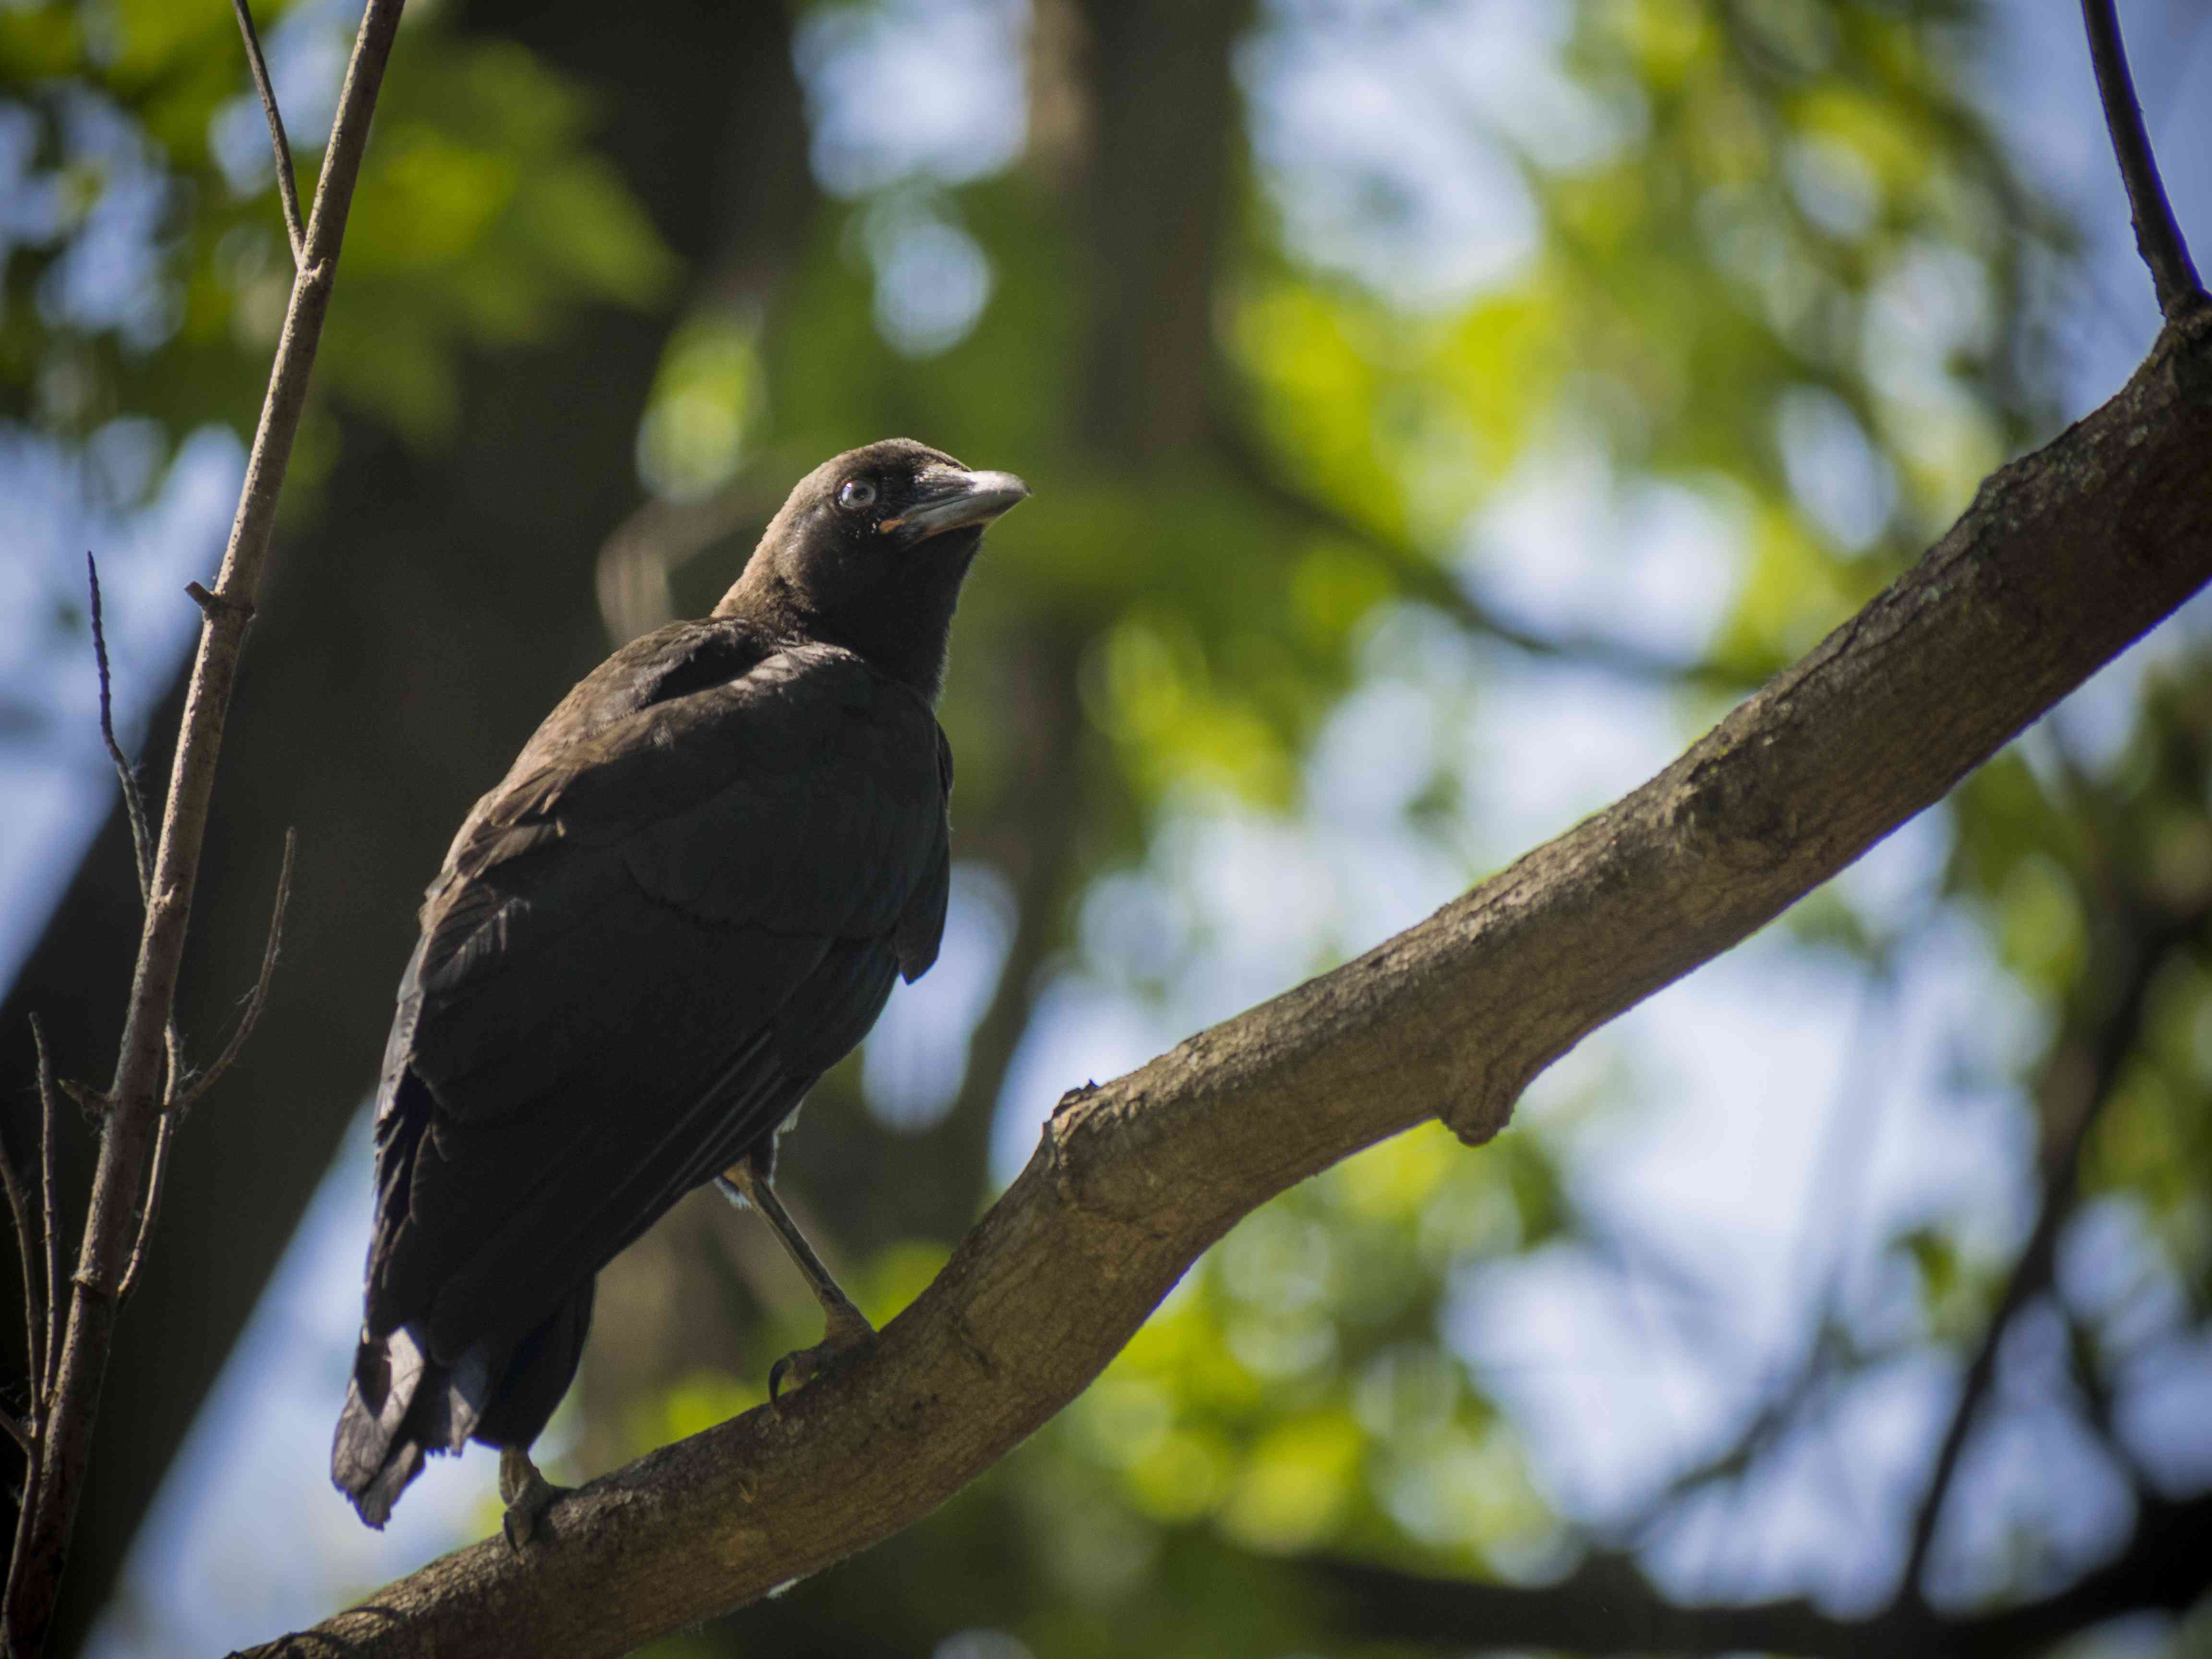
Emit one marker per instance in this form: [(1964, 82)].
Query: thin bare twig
[(34, 1312), (287, 187), (134, 798), (1853, 1114), (20, 1434), (2158, 236), (48, 1216), (174, 1110), (156, 1181), (2109, 1046), (180, 1103), (2030, 1274)]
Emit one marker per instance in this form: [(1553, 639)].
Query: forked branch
[(287, 185), (133, 1128)]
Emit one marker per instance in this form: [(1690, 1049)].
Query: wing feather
[(681, 908)]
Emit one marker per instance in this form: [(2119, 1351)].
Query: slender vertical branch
[(49, 1221), (165, 1134), (23, 1209), (34, 1317), (34, 1215), (287, 187), (130, 1129), (134, 797), (2158, 236)]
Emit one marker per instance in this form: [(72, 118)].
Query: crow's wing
[(689, 898)]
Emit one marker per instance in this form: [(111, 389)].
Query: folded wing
[(685, 903)]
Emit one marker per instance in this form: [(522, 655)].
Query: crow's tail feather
[(403, 1404), (400, 1406)]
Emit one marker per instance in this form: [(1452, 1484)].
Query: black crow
[(688, 899)]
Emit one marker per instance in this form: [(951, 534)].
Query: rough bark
[(2064, 558)]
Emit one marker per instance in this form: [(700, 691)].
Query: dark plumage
[(687, 898)]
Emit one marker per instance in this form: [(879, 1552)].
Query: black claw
[(802, 1366), (528, 1494)]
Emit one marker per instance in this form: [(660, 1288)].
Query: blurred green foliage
[(483, 217), (1792, 212)]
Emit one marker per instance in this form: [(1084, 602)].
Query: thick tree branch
[(130, 1127), (2064, 557), (2158, 236)]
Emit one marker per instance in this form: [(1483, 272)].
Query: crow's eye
[(858, 494)]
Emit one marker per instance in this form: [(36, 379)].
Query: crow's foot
[(528, 1494), (849, 1334)]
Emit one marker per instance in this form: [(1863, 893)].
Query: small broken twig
[(2158, 236), (217, 605), (287, 187)]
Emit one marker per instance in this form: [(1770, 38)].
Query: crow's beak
[(947, 499)]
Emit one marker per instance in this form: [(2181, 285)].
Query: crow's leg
[(526, 1493), (849, 1329)]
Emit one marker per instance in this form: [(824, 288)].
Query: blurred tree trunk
[(1141, 145), (436, 605), (1143, 152), (416, 628)]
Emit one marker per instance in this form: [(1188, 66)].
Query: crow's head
[(869, 552)]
